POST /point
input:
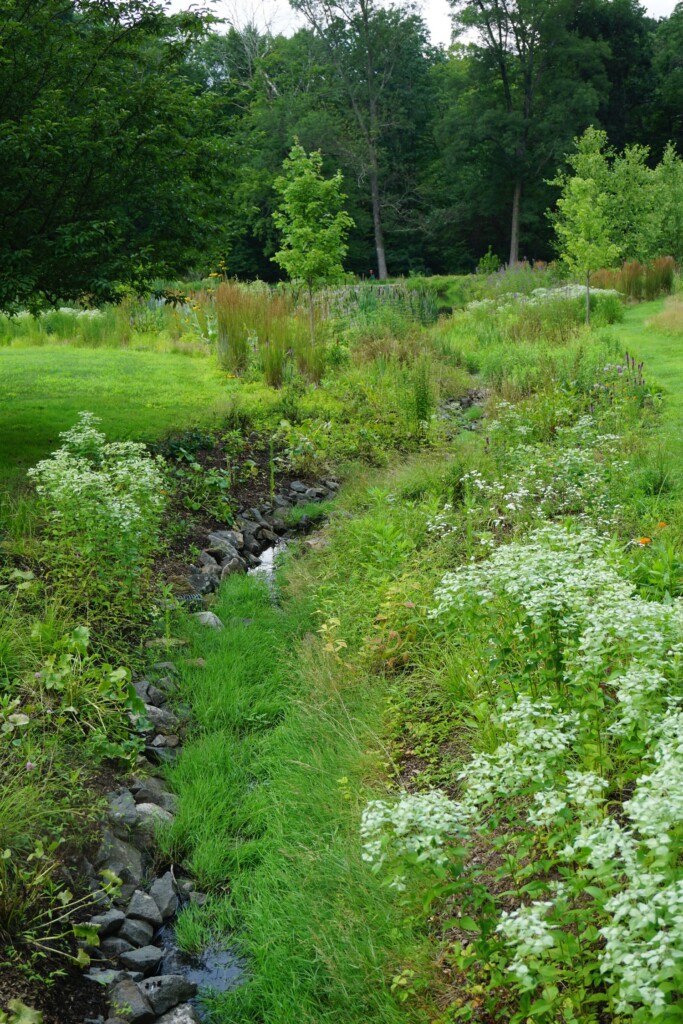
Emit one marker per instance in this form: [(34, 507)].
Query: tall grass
[(640, 280)]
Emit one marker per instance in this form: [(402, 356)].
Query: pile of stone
[(130, 925), (254, 530)]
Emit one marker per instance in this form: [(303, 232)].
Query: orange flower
[(644, 541), (661, 526)]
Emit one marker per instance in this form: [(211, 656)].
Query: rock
[(165, 741), (195, 662), (138, 933), (124, 860), (166, 991), (163, 892), (146, 959), (279, 525), (232, 566), (198, 898), (331, 484), (162, 755), (298, 487), (220, 548), (281, 502), (144, 907), (114, 947), (110, 976), (108, 922), (252, 545), (141, 687), (121, 807), (128, 1002), (165, 667), (208, 619), (185, 1014), (206, 560), (162, 720), (186, 886), (155, 791), (233, 537), (150, 816), (155, 696), (200, 583), (267, 536)]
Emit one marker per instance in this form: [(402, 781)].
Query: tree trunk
[(588, 297), (382, 272), (514, 229)]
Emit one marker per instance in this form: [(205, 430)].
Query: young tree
[(313, 222), (582, 224)]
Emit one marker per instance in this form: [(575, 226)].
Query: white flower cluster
[(529, 934), (415, 826)]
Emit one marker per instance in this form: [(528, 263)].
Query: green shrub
[(101, 505)]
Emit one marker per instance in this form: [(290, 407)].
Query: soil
[(68, 1000)]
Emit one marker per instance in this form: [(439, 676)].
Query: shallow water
[(212, 970)]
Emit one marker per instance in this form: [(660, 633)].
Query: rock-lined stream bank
[(147, 977)]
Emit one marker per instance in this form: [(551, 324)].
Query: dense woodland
[(136, 144)]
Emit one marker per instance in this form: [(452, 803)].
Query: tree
[(313, 222), (582, 223), (110, 173), (366, 47), (536, 83)]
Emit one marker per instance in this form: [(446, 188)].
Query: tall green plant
[(313, 222)]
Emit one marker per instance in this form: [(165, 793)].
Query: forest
[(138, 144)]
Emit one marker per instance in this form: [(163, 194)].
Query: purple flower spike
[(30, 766)]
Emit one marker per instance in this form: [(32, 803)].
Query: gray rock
[(111, 976), (138, 933), (128, 1002), (146, 959), (108, 922), (166, 991), (252, 545), (185, 1014), (298, 487), (206, 560), (198, 898), (186, 886), (141, 687), (121, 807), (331, 484), (163, 892), (124, 860), (155, 696), (268, 536), (198, 583), (115, 946), (232, 566), (220, 547), (233, 537), (150, 816), (312, 494), (166, 741), (208, 619), (163, 720), (144, 907), (164, 667)]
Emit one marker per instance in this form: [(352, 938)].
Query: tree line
[(136, 143)]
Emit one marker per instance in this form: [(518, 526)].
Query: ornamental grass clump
[(101, 504)]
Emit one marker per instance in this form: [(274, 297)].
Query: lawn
[(137, 394)]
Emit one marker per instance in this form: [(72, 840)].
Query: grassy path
[(662, 355)]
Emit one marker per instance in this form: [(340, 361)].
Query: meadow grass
[(271, 788), (139, 395)]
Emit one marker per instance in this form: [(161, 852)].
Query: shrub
[(101, 503)]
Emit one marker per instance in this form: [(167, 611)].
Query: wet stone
[(163, 892), (185, 1014), (143, 906), (146, 959), (115, 946), (121, 807), (108, 922), (138, 933), (128, 1001), (167, 991)]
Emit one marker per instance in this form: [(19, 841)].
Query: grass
[(271, 789), (138, 395)]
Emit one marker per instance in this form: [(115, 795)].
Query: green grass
[(271, 789), (138, 395)]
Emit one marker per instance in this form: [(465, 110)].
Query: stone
[(162, 720), (298, 487), (146, 959), (121, 807), (111, 976), (123, 860), (233, 537), (154, 791), (138, 933), (219, 547), (199, 582), (128, 1002), (232, 566), (198, 898), (165, 667), (108, 923), (163, 892), (252, 545), (155, 696), (208, 619), (143, 906), (185, 1014), (268, 536), (167, 991), (206, 560), (141, 687), (115, 946), (186, 886), (150, 816), (165, 741)]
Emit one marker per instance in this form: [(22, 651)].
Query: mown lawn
[(138, 395)]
